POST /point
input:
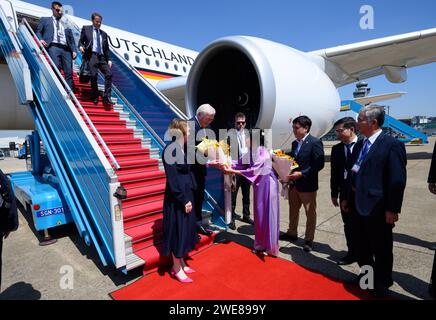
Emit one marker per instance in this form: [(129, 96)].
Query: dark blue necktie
[(98, 41), (349, 160)]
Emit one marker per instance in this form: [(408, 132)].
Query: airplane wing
[(390, 56), (382, 97)]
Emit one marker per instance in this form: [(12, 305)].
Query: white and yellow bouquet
[(215, 150), (283, 164)]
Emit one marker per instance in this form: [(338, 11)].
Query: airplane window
[(176, 67), (166, 65), (147, 61), (137, 59), (157, 63), (184, 69), (126, 56)]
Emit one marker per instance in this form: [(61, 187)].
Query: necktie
[(98, 41), (365, 150), (298, 148), (349, 160), (58, 32)]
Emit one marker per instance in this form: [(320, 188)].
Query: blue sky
[(305, 25)]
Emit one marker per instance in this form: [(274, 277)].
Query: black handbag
[(85, 72)]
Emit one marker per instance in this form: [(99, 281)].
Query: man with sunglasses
[(58, 40), (241, 135)]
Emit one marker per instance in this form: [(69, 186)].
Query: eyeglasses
[(340, 130), (240, 122)]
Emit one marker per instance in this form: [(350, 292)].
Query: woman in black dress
[(179, 222)]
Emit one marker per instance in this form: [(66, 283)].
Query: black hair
[(303, 121), (348, 123), (55, 3), (96, 14)]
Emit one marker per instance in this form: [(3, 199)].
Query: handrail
[(138, 116), (160, 94), (73, 96)]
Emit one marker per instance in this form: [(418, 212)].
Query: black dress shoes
[(235, 216), (203, 230), (287, 237), (308, 246), (108, 103), (95, 101), (248, 220), (232, 225), (348, 259)]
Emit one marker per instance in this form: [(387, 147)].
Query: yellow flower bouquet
[(215, 150), (283, 164)]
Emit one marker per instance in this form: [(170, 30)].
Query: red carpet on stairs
[(229, 271), (139, 174)]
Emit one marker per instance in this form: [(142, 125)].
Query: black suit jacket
[(8, 216), (381, 180), (86, 41), (45, 31), (338, 184), (200, 170), (310, 159), (432, 173)]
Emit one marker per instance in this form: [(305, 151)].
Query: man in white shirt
[(59, 41), (341, 161), (243, 150)]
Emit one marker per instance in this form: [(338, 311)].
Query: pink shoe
[(174, 275), (189, 270)]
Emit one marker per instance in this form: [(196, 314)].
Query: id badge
[(355, 168)]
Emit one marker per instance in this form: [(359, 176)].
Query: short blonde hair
[(178, 127)]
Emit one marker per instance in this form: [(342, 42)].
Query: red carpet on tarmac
[(229, 271)]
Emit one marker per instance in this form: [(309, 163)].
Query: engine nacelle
[(269, 82)]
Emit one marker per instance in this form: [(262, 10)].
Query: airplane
[(269, 82)]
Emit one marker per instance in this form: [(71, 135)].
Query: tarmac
[(70, 270)]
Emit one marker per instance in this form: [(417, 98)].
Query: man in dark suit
[(94, 46), (241, 137), (341, 162), (59, 41), (204, 116), (8, 213), (309, 153), (432, 187), (378, 180)]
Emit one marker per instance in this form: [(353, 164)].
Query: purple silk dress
[(266, 200)]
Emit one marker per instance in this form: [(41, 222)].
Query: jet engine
[(269, 82)]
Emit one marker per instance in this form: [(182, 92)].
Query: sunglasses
[(240, 122)]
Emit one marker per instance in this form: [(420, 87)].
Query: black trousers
[(1, 251), (244, 184), (375, 246), (349, 220), (98, 62), (199, 197), (433, 272), (62, 58)]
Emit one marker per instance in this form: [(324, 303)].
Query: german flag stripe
[(155, 75)]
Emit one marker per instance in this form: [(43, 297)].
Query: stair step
[(142, 210), (141, 183), (138, 163), (155, 240), (145, 231), (145, 190), (140, 176), (143, 200), (142, 220)]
